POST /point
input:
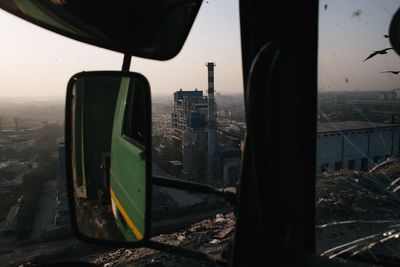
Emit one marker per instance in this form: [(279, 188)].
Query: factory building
[(16, 120), (190, 111), (229, 164), (194, 133), (188, 134), (355, 145), (393, 94)]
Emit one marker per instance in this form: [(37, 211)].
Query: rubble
[(210, 236), (102, 223), (353, 205), (389, 162), (352, 195), (355, 212)]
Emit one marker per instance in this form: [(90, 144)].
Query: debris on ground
[(353, 205), (356, 212), (350, 195), (210, 236)]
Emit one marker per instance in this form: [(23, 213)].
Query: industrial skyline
[(195, 141), (344, 42)]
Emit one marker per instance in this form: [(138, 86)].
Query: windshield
[(197, 136), (358, 139)]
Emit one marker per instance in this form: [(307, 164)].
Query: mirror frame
[(143, 51), (394, 32), (68, 160)]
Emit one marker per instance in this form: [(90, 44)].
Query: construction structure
[(194, 137), (188, 135)]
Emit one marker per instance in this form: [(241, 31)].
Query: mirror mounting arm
[(229, 194), (126, 64)]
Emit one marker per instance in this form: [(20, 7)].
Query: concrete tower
[(211, 167)]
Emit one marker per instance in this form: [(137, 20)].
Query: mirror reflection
[(110, 124)]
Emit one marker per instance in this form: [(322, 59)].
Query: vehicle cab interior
[(296, 163)]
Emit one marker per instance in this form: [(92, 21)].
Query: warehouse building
[(355, 145)]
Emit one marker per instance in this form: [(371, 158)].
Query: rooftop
[(351, 125)]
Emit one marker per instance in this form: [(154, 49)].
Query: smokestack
[(211, 119), (1, 125)]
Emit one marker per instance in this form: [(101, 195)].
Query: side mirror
[(156, 29), (108, 155), (394, 31)]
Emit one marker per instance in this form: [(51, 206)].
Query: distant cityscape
[(30, 172), (32, 158), (191, 141)]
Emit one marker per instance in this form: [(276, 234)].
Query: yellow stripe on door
[(130, 223)]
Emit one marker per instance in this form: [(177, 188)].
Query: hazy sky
[(37, 62), (349, 30)]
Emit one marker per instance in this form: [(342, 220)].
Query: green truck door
[(128, 166)]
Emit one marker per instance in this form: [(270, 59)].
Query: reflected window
[(134, 121)]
